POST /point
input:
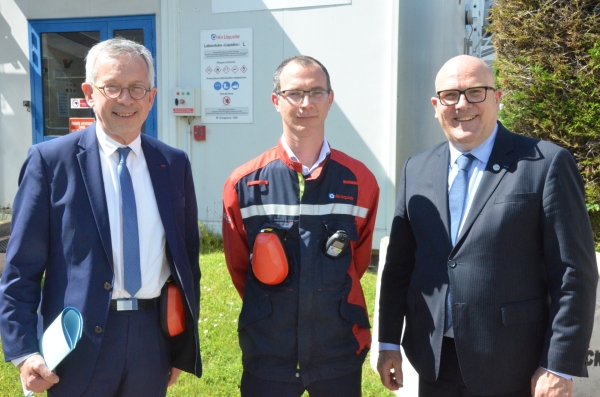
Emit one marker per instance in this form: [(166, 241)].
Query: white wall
[(357, 43), (15, 121), (382, 56), (36, 9), (431, 32), (15, 87)]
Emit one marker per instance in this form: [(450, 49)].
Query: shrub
[(210, 241), (548, 66), (5, 212)]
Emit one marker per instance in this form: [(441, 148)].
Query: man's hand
[(389, 366), (546, 384), (173, 376), (36, 376)]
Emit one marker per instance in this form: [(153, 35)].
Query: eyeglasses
[(472, 95), (136, 91), (297, 96)]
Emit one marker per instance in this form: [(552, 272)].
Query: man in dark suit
[(491, 256), (107, 215)]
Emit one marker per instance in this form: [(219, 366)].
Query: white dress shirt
[(322, 155), (153, 262)]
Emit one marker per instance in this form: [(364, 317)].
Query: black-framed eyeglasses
[(472, 95), (296, 96), (136, 91)]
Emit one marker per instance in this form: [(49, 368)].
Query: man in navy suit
[(67, 227), (491, 256)]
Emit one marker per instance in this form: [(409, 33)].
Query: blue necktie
[(131, 240), (456, 203)]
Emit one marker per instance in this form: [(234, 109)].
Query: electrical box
[(186, 102), (200, 132)]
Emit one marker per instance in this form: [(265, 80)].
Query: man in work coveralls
[(306, 328)]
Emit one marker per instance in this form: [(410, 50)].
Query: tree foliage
[(548, 66)]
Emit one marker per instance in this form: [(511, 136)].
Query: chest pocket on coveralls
[(335, 269)]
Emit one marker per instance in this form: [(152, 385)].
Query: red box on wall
[(200, 132)]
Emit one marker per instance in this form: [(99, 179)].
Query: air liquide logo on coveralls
[(340, 197)]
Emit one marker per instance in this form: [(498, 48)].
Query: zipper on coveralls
[(301, 184)]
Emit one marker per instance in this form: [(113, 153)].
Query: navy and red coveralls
[(314, 325)]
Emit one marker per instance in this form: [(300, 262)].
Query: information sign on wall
[(79, 103), (219, 6), (226, 68), (80, 123)]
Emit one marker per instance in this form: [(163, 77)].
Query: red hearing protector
[(269, 262)]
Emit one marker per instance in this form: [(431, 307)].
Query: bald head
[(461, 68), (467, 124)]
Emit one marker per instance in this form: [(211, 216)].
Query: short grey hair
[(115, 48), (302, 60)]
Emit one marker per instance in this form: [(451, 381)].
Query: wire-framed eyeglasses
[(136, 91), (472, 95), (297, 96)]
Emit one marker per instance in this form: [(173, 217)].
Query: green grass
[(221, 355)]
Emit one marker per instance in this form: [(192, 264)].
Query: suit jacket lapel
[(500, 160), (91, 171), (440, 180), (159, 175)]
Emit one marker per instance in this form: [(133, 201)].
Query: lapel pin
[(163, 166), (496, 167)]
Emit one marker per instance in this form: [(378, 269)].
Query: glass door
[(57, 59), (63, 72)]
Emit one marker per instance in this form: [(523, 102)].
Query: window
[(57, 62)]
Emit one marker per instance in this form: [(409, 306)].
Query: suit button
[(107, 286), (452, 264), (98, 329)]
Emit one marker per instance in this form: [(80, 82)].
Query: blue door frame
[(106, 26)]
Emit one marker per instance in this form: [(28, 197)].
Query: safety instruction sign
[(80, 123), (79, 103), (219, 6), (226, 69)]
